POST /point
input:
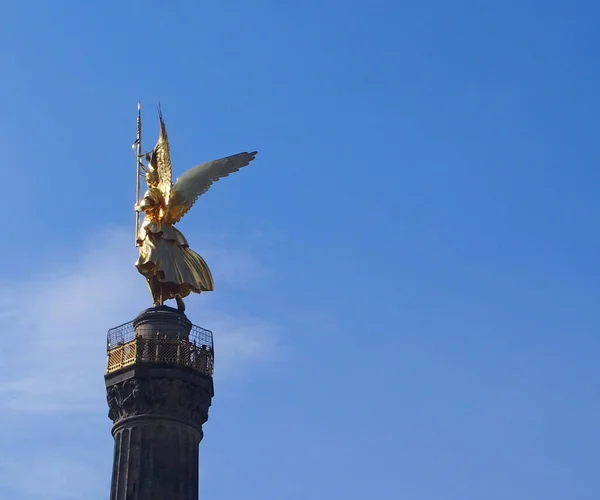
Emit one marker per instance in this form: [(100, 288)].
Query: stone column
[(158, 410)]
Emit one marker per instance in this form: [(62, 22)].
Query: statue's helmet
[(152, 176)]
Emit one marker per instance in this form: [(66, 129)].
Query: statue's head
[(152, 173), (152, 177)]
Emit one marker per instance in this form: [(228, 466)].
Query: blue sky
[(407, 279)]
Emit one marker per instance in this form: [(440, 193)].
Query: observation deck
[(160, 336)]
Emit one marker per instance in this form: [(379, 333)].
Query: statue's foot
[(180, 303)]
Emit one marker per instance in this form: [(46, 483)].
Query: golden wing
[(196, 181), (161, 160)]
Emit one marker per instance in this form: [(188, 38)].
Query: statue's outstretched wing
[(161, 160), (196, 181)]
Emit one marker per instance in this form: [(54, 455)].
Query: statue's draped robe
[(166, 256)]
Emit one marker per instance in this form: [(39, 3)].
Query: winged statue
[(171, 268)]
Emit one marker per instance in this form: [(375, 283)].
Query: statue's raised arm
[(172, 269)]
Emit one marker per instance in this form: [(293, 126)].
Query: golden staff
[(138, 144)]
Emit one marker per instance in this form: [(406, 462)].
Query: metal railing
[(124, 348)]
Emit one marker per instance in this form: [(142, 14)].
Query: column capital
[(170, 393)]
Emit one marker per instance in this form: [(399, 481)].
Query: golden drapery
[(165, 258)]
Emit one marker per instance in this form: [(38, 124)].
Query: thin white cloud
[(58, 321)]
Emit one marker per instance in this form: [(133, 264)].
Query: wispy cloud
[(58, 320)]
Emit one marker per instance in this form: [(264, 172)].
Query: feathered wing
[(196, 181), (161, 160)]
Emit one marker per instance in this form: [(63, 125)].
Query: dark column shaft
[(155, 460), (158, 413)]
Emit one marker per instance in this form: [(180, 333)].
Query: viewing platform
[(160, 335)]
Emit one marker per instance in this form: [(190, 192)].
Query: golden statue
[(172, 269)]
